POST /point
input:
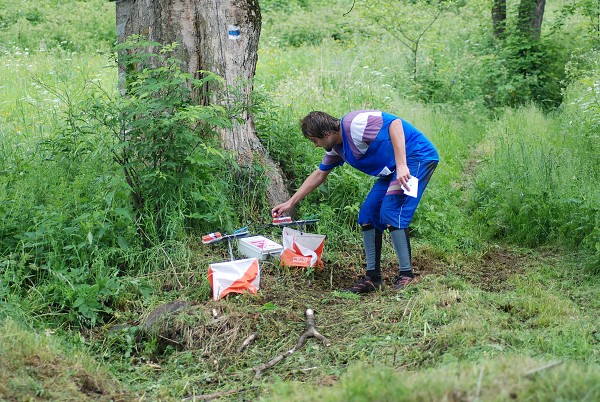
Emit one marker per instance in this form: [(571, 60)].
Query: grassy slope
[(37, 367)]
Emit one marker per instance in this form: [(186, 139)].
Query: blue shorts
[(387, 205)]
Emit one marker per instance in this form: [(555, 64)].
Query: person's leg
[(401, 244), (372, 244), (397, 211), (372, 233)]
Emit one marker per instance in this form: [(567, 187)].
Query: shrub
[(68, 225), (518, 71), (164, 139)]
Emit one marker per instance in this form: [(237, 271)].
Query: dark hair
[(319, 125)]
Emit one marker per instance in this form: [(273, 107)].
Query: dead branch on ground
[(530, 373), (215, 395), (247, 342), (310, 332)]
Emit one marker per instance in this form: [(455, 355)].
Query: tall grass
[(539, 185), (65, 226), (47, 25)]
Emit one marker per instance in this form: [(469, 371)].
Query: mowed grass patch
[(448, 322)]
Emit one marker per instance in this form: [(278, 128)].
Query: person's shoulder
[(368, 111), (362, 113), (390, 116)]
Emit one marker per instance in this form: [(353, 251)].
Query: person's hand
[(402, 175), (281, 209)]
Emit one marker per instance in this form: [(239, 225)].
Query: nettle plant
[(165, 138)]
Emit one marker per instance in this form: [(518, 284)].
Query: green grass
[(496, 379), (540, 183), (29, 111), (38, 367), (462, 315), (47, 25)]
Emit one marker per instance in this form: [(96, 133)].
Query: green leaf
[(122, 243), (269, 306)]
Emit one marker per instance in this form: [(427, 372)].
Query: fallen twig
[(478, 390), (208, 397), (308, 333), (544, 367), (247, 342), (169, 340)]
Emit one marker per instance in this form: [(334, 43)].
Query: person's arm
[(313, 181), (399, 145)]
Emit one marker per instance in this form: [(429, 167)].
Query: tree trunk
[(498, 17), (220, 36), (531, 14)]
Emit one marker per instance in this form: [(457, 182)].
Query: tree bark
[(220, 36), (531, 15), (498, 18)]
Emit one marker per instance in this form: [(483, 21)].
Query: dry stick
[(308, 333), (478, 391), (172, 266), (544, 367), (208, 397), (247, 342), (173, 341)]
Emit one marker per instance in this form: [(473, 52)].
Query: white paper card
[(413, 184)]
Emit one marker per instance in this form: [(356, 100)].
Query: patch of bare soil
[(493, 271), (327, 380), (490, 272), (90, 385)]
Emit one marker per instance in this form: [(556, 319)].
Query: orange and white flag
[(237, 276), (302, 249)]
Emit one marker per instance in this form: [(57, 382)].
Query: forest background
[(506, 243)]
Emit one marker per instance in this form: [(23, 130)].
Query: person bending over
[(382, 145)]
